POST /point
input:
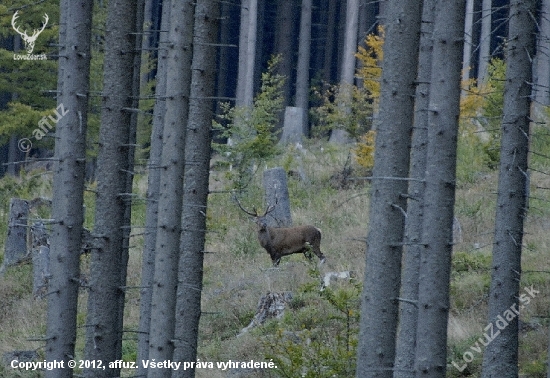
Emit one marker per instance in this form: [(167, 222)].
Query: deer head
[(259, 219), (29, 40)]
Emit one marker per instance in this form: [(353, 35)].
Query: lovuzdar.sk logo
[(29, 40)]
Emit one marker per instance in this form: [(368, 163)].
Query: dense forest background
[(278, 27)]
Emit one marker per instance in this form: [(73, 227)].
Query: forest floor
[(317, 334)]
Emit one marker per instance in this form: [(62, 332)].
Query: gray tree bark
[(439, 195), (330, 37), (178, 82), (285, 44), (367, 20), (68, 183), (302, 73), (40, 259), (500, 358), (103, 331), (16, 241), (467, 50), (293, 128), (276, 194), (225, 60), (347, 76), (541, 74), (378, 326), (484, 42), (15, 155), (251, 52), (243, 70), (350, 42), (195, 194), (153, 193), (129, 174), (408, 308)]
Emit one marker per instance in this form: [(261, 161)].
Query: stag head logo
[(29, 39)]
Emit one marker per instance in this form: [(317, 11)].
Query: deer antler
[(255, 214), (268, 209)]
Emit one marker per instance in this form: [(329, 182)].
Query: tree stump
[(276, 194), (16, 242), (271, 305), (293, 125), (40, 259)]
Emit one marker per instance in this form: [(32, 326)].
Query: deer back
[(287, 239)]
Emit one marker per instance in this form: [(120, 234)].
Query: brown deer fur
[(279, 242)]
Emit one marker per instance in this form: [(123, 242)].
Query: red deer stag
[(279, 242)]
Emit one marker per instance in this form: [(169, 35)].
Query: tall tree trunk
[(225, 62), (302, 75), (178, 82), (285, 44), (367, 20), (69, 172), (347, 76), (243, 74), (330, 37), (251, 52), (376, 350), (129, 174), (15, 155), (439, 195), (68, 184), (467, 50), (341, 28), (484, 42), (408, 309), (350, 42), (104, 334), (500, 358), (153, 192), (541, 74), (260, 44), (195, 195)]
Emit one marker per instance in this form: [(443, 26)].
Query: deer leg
[(317, 250), (322, 257), (275, 257), (276, 260)]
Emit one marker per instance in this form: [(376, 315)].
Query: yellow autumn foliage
[(473, 100), (371, 57), (477, 98), (364, 151), (370, 72)]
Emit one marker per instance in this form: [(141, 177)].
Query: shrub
[(319, 340), (250, 130)]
